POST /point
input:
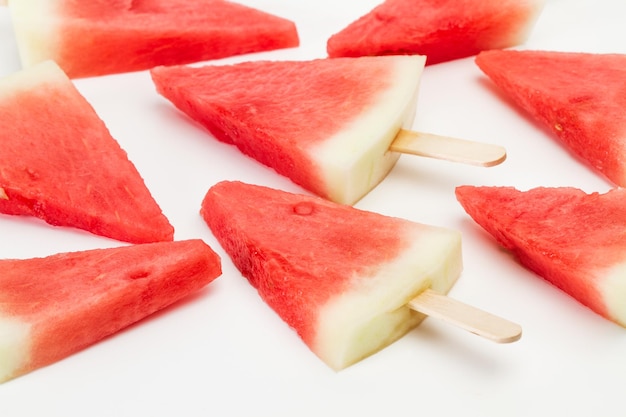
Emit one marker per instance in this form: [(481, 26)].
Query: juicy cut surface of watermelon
[(326, 124), (574, 240), (54, 306), (339, 276), (90, 38), (60, 163), (442, 30), (578, 97)]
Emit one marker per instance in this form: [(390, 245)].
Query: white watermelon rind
[(357, 159), (14, 347), (374, 312), (36, 29), (612, 286)]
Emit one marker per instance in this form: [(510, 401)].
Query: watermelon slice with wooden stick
[(572, 239), (578, 97), (348, 281), (97, 37), (55, 306), (336, 127), (60, 163), (442, 30)]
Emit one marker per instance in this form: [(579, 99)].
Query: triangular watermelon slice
[(90, 38), (55, 306), (442, 30), (327, 124), (572, 239), (579, 97), (341, 277), (60, 163)]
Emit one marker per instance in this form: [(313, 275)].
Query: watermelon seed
[(32, 174), (139, 274), (304, 208), (3, 194)]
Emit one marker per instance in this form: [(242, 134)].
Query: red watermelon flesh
[(579, 97), (339, 276), (55, 306), (60, 163), (326, 124), (443, 30), (91, 38), (574, 240)]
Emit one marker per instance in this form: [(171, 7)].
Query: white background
[(223, 352)]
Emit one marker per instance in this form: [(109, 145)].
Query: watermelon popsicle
[(336, 127), (348, 281)]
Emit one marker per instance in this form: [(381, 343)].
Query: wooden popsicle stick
[(466, 317), (447, 148)]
